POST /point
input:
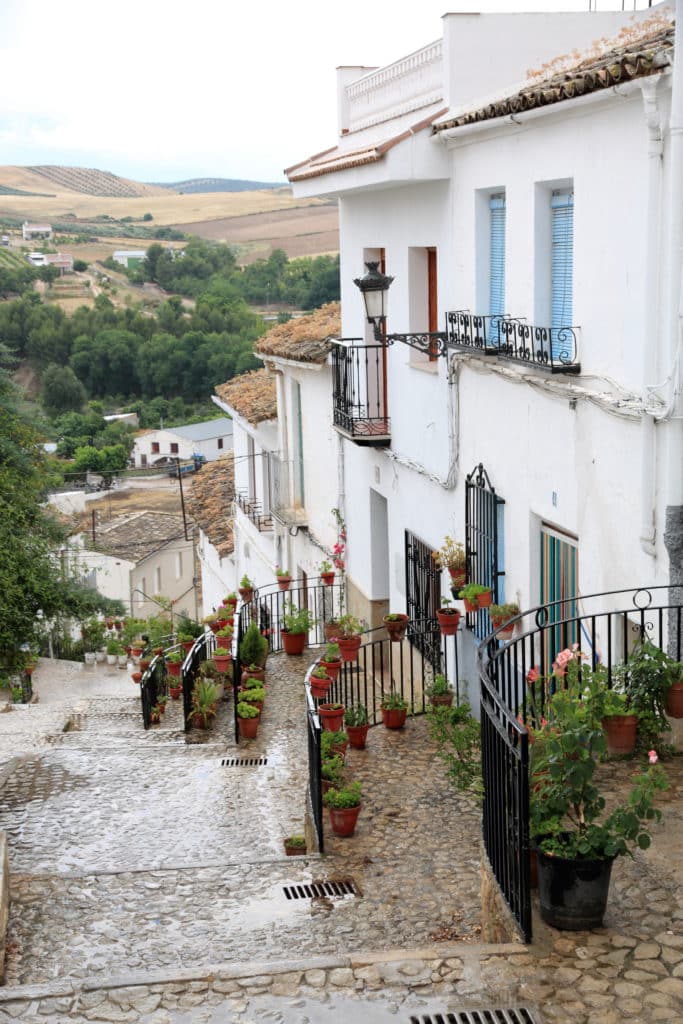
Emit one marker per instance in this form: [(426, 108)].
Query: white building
[(31, 231), (129, 257), (212, 439), (137, 557), (209, 499), (528, 402)]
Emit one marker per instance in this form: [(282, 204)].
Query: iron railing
[(547, 348), (152, 686), (360, 408), (268, 604), (315, 789), (253, 510), (201, 650), (606, 628), (482, 507)]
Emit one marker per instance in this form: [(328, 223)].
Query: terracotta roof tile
[(209, 501), (638, 51), (137, 535), (251, 395), (304, 338)]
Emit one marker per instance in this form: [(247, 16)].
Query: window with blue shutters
[(497, 255), (562, 263)]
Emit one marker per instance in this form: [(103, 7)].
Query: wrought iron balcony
[(254, 511), (553, 349), (287, 491), (360, 392)]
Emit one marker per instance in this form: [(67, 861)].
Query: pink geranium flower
[(652, 756)]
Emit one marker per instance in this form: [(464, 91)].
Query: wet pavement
[(148, 880)]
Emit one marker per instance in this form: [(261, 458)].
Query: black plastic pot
[(573, 893)]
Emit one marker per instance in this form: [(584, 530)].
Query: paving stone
[(672, 986), (646, 951), (110, 1012), (316, 979)]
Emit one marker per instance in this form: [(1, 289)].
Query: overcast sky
[(161, 90)]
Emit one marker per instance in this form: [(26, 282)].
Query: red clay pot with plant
[(396, 626), (175, 692), (173, 668), (349, 646), (331, 716), (621, 732), (358, 735), (449, 620), (674, 700), (293, 643), (332, 668)]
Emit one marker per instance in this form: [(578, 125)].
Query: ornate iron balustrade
[(360, 391), (548, 348), (253, 510), (606, 631)]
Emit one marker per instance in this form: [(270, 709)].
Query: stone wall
[(4, 900)]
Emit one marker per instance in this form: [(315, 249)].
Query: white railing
[(409, 84)]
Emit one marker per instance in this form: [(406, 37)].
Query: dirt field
[(305, 231)]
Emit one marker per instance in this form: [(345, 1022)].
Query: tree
[(62, 391), (33, 587)]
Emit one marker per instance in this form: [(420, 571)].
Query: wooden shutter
[(562, 264)]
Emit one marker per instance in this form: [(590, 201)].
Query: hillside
[(194, 185), (47, 180)]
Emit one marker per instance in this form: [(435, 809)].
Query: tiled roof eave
[(569, 87)]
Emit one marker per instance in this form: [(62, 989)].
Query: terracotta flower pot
[(187, 645), (256, 673), (293, 643), (396, 627), (246, 593), (327, 578), (222, 662), (674, 700), (174, 668), (458, 577), (319, 687), (175, 692), (331, 630), (284, 582), (294, 851), (358, 735), (448, 621), (442, 700), (394, 718), (483, 601), (331, 718), (343, 820), (248, 728), (621, 732), (136, 676), (506, 632), (349, 647), (332, 668)]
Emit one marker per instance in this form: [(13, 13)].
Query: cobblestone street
[(148, 878)]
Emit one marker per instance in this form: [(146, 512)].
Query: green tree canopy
[(62, 390)]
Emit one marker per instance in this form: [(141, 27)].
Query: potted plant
[(319, 682), (296, 623), (114, 649), (175, 689), (204, 697), (500, 614), (326, 572), (357, 725), (475, 596), (331, 770), (451, 556), (396, 624), (332, 629), (344, 806), (331, 660), (213, 621), (440, 692), (136, 676), (394, 710), (246, 589), (247, 720), (155, 715), (174, 662), (646, 679), (349, 637), (254, 696), (253, 647), (295, 846), (331, 716), (222, 659), (447, 617), (284, 578), (333, 743)]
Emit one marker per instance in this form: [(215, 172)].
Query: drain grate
[(244, 762), (517, 1015), (311, 890)]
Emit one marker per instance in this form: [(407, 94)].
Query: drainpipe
[(648, 455), (673, 477)]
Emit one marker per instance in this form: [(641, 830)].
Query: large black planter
[(573, 893)]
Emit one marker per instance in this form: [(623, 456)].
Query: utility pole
[(182, 497)]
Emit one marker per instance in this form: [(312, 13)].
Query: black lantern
[(374, 287)]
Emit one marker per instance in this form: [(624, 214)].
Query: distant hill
[(90, 181), (218, 185)]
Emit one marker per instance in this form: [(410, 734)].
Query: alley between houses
[(148, 879)]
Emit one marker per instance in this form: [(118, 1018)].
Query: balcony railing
[(548, 348), (360, 392), (253, 510), (287, 491)]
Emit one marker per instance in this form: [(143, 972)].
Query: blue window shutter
[(497, 255), (562, 262)]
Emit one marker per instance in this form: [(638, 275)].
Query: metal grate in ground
[(516, 1015), (243, 762), (310, 890)]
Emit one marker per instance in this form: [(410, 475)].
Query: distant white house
[(31, 231), (212, 438), (123, 417), (63, 261), (129, 257)]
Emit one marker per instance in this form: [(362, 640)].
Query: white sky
[(161, 90)]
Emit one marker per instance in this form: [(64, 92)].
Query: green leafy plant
[(319, 673), (645, 680), (472, 592), (296, 620), (349, 625), (504, 612), (114, 647), (440, 687), (296, 841), (254, 646), (222, 652), (332, 768), (245, 710), (325, 566), (253, 696), (331, 653), (175, 657), (567, 809), (458, 738), (356, 714), (394, 617), (345, 796), (282, 572), (246, 583), (226, 633), (393, 701), (330, 740), (253, 684), (190, 628)]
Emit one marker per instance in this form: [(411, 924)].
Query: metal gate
[(423, 597), (482, 506)]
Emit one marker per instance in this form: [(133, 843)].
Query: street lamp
[(374, 287)]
